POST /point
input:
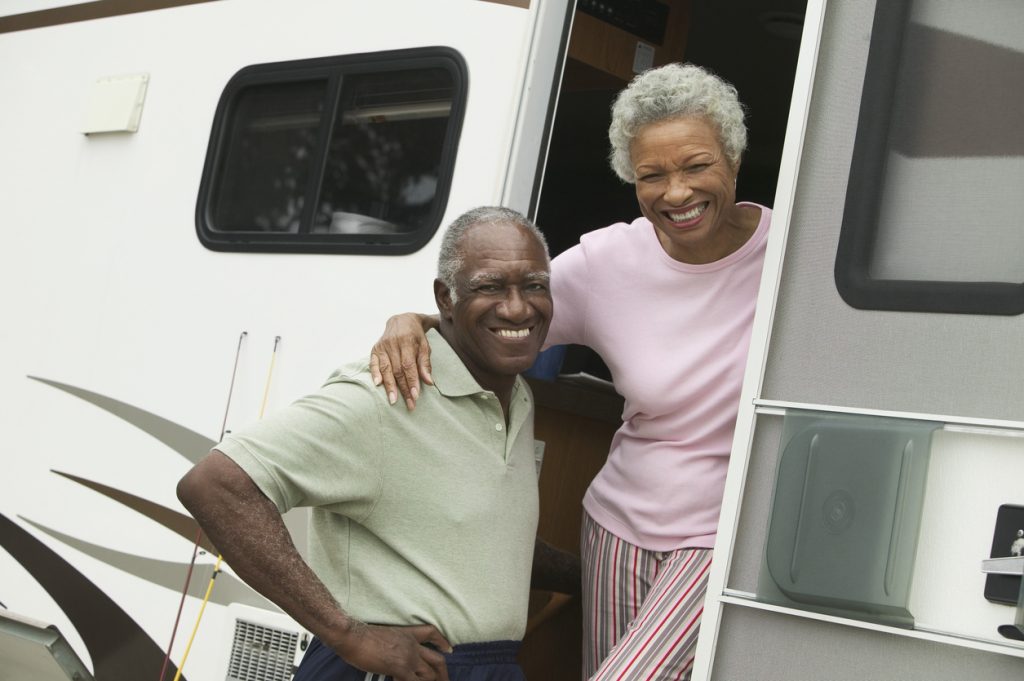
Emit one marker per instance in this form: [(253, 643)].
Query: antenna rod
[(199, 531)]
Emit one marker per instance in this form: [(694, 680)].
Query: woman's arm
[(403, 346)]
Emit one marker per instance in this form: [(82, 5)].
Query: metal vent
[(262, 653)]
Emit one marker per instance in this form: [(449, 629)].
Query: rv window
[(931, 221), (342, 155)]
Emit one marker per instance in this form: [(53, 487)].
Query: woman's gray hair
[(669, 92), (451, 258)]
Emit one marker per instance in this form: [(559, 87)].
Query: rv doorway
[(750, 43)]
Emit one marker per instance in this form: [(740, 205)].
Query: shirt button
[(498, 426), (483, 396)]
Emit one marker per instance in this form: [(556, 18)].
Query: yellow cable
[(270, 372), (216, 568), (206, 598)]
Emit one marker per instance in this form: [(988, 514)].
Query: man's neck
[(501, 386)]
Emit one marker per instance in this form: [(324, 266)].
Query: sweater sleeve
[(569, 288)]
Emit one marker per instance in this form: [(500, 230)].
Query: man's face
[(503, 308)]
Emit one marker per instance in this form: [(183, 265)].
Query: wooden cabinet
[(576, 424), (601, 55)]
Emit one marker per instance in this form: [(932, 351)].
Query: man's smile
[(514, 333)]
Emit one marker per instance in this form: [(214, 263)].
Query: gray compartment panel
[(754, 645), (752, 528)]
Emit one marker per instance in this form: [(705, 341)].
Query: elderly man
[(423, 522)]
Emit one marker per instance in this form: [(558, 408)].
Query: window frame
[(333, 69), (865, 190)]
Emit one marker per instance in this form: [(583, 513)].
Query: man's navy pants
[(492, 661)]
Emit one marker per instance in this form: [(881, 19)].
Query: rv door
[(878, 454)]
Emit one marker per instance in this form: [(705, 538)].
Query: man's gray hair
[(451, 258), (670, 92)]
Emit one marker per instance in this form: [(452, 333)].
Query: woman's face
[(686, 186)]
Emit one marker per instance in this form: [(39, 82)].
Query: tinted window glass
[(383, 161), (931, 221), (348, 154), (271, 143)]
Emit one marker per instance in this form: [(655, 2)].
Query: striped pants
[(641, 609)]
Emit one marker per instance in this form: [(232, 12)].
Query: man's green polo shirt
[(417, 517)]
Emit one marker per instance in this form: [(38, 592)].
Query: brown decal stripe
[(179, 523), (188, 443), (118, 646), (84, 11), (166, 573), (101, 9), (524, 4)]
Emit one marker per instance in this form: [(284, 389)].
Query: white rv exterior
[(108, 289), (128, 346)]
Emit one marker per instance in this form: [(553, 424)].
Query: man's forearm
[(555, 570), (248, 530)]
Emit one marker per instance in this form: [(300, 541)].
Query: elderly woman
[(668, 302)]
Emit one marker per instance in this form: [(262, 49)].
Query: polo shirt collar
[(451, 377)]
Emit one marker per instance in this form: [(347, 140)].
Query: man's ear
[(443, 298)]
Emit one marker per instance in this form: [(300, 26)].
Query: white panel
[(969, 477), (22, 6), (115, 104)]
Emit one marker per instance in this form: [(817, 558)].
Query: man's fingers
[(428, 633), (431, 664), (436, 664)]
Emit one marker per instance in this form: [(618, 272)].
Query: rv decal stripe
[(118, 646), (85, 11), (525, 4), (179, 523), (188, 443), (164, 573)]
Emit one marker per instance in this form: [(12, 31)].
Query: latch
[(1013, 566)]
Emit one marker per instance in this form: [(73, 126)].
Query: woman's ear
[(443, 298)]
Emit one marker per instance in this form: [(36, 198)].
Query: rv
[(210, 204)]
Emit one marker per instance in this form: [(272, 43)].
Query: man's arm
[(401, 357), (247, 529), (555, 570)]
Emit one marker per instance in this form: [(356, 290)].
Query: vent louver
[(261, 653)]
